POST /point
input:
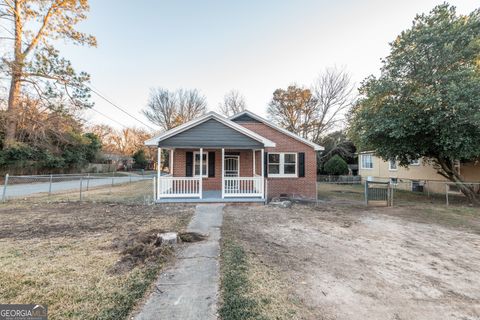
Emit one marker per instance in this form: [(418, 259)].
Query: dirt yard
[(340, 260), (84, 260)]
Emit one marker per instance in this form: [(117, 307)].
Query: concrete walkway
[(189, 290)]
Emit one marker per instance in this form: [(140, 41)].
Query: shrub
[(140, 160), (336, 166)]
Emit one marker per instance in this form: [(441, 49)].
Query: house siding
[(306, 186), (422, 172), (211, 134)]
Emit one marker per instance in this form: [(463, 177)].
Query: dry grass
[(59, 254), (266, 293), (140, 192)]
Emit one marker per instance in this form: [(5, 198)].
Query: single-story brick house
[(244, 158)]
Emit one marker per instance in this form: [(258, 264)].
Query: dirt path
[(349, 263), (189, 290)]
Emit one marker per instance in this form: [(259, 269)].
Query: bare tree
[(311, 113), (168, 109), (33, 62), (233, 103), (333, 93), (125, 141)]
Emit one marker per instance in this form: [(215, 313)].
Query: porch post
[(159, 165), (254, 169), (262, 165), (223, 173), (171, 161), (201, 173)]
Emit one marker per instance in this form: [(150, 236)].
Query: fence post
[(50, 186), (88, 180), (113, 177), (154, 190), (4, 196), (446, 192), (392, 191), (81, 182), (366, 192)]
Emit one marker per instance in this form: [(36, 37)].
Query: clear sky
[(254, 47)]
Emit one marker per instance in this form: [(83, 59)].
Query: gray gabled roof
[(210, 130)]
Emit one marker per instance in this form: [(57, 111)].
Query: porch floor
[(211, 196)]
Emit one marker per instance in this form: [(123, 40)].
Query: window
[(196, 164), (392, 165), (394, 181), (415, 162), (282, 164), (367, 161)]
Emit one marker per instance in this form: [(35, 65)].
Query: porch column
[(223, 173), (262, 165), (159, 165), (201, 173), (254, 169), (171, 161)]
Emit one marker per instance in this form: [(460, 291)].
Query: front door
[(231, 170), (231, 166)]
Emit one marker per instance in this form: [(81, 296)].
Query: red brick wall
[(305, 187)]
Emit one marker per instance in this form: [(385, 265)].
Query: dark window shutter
[(211, 164), (189, 164), (265, 165), (301, 164)]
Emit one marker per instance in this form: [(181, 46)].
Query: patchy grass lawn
[(64, 255), (135, 192), (341, 260)]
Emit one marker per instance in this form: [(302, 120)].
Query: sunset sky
[(254, 47)]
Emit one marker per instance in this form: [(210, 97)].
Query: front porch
[(211, 196), (211, 175), (210, 159)]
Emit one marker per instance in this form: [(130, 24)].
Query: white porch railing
[(178, 187), (243, 186)]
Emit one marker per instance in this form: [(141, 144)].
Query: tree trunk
[(15, 84), (12, 111), (447, 169)]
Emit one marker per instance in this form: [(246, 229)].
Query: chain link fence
[(404, 191), (124, 187)]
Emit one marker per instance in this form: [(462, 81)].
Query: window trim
[(390, 165), (281, 165), (361, 161), (205, 172)]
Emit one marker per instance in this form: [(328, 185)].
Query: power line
[(96, 91), (101, 113)]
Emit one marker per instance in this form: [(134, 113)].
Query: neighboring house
[(242, 158), (414, 176)]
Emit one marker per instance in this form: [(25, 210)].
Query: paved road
[(189, 290), (25, 189)]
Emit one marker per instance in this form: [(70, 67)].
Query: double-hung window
[(367, 161), (392, 165), (282, 164), (196, 164)]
